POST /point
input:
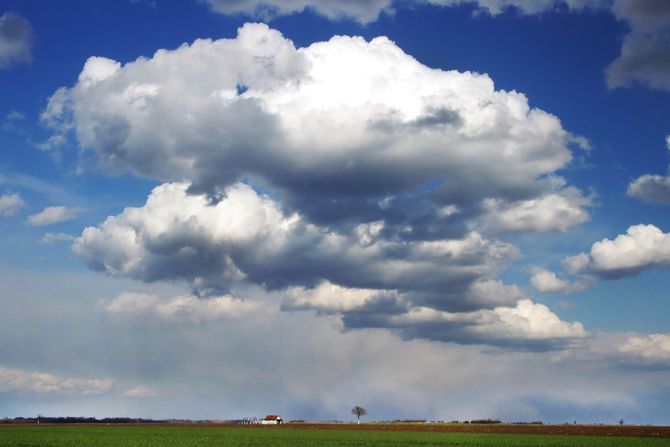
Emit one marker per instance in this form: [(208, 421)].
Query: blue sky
[(484, 190)]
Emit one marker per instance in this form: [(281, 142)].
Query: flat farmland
[(332, 435)]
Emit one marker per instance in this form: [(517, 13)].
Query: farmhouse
[(272, 419)]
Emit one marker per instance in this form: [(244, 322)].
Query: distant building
[(272, 419)]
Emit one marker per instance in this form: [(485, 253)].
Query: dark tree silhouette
[(359, 411)]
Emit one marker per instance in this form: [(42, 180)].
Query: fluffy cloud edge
[(523, 326), (650, 349), (546, 281), (641, 248), (642, 56), (52, 215)]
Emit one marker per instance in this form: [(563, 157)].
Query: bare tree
[(359, 411)]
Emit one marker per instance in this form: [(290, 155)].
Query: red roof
[(272, 417)]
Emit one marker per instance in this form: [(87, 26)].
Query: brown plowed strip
[(587, 430)]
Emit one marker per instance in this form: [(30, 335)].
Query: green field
[(152, 436)]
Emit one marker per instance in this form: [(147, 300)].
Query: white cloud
[(647, 349), (53, 115), (16, 380), (15, 40), (641, 248), (50, 238), (577, 263), (52, 215), (10, 204), (331, 298), (180, 309), (556, 211), (140, 391), (545, 281)]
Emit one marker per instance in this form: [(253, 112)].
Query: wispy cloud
[(10, 204), (50, 238), (177, 310), (52, 215), (140, 391), (17, 380)]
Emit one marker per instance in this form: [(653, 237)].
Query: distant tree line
[(485, 421), (77, 420)]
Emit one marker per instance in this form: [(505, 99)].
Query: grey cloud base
[(646, 49), (651, 188), (439, 290)]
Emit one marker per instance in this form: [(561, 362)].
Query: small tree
[(359, 411), (621, 422)]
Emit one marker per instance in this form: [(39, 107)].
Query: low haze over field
[(434, 209)]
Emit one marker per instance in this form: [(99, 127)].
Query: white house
[(272, 419)]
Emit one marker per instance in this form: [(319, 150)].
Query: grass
[(152, 436)]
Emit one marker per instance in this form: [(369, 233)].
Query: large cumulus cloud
[(346, 164), (343, 130)]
